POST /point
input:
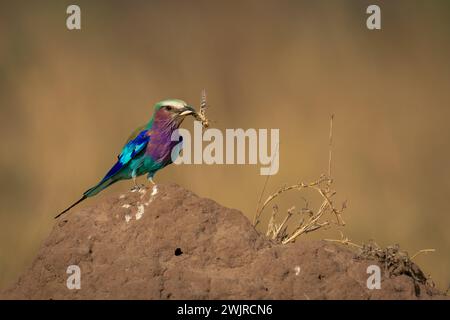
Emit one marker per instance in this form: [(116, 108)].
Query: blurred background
[(69, 99)]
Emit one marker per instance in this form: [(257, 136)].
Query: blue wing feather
[(129, 151)]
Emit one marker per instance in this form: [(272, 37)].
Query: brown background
[(69, 99)]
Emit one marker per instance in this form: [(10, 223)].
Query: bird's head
[(173, 110)]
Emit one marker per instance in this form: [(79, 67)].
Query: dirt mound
[(167, 243)]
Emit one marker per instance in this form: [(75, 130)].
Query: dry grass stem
[(310, 220), (345, 241), (278, 231), (330, 145), (422, 251), (255, 218)]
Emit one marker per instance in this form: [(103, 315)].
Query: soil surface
[(168, 243)]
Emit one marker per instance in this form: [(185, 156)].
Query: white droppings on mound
[(154, 190), (140, 205), (152, 195), (140, 211)]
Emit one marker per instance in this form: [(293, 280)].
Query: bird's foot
[(151, 181)]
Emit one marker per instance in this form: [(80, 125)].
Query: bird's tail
[(89, 193), (73, 205)]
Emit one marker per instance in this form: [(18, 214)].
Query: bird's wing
[(135, 133), (131, 149)]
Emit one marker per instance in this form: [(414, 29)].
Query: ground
[(168, 243)]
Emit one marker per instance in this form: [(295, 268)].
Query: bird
[(147, 150)]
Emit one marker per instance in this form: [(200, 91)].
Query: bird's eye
[(168, 108)]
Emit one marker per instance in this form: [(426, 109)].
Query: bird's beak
[(187, 110)]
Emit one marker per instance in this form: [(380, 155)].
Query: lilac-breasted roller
[(148, 149)]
